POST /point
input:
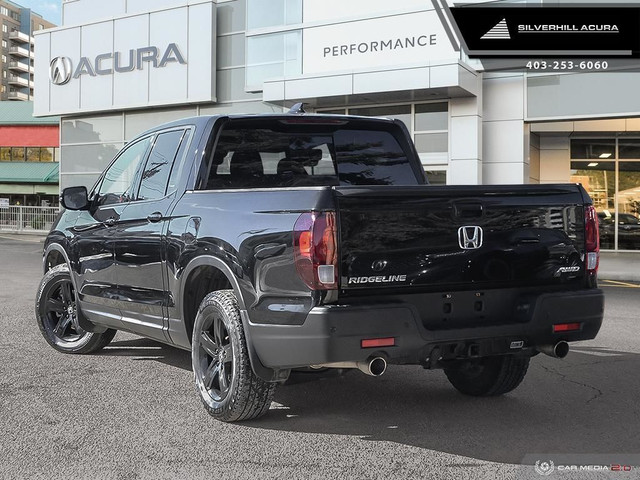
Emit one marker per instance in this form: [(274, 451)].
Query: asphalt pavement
[(131, 412)]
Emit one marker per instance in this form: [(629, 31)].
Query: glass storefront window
[(274, 13), (628, 207), (593, 148), (432, 142), (273, 55), (614, 186), (437, 177), (334, 111), (599, 180), (46, 155), (400, 112), (432, 116), (28, 154), (629, 148), (33, 154), (107, 128), (17, 154)]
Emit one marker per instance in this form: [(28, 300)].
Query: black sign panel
[(532, 31)]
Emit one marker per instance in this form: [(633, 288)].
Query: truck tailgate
[(460, 238)]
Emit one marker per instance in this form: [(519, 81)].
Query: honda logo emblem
[(470, 237), (60, 71)]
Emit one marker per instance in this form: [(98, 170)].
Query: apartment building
[(18, 26)]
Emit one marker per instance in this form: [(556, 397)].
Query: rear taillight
[(592, 239), (315, 250)]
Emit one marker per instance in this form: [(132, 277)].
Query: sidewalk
[(619, 266), (22, 237)]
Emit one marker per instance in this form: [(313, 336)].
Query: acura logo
[(60, 71), (470, 237)]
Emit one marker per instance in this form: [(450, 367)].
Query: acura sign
[(108, 63), (164, 56)]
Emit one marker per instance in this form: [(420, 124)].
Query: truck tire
[(227, 386), (56, 315), (489, 376)]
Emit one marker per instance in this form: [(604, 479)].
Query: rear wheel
[(489, 376), (227, 386), (57, 315)]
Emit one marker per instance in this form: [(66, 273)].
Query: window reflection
[(400, 112), (273, 56), (599, 180), (629, 206), (593, 148)]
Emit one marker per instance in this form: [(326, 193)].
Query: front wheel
[(57, 316), (227, 386), (489, 376)]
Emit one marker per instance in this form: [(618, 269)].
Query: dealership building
[(114, 69)]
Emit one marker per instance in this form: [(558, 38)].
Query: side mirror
[(75, 198)]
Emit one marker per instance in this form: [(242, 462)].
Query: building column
[(465, 160), (506, 143)]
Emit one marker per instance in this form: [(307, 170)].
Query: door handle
[(109, 222), (155, 217)]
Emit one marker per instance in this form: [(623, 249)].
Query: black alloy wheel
[(215, 358), (61, 318), (57, 316), (229, 389)]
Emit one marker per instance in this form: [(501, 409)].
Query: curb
[(619, 277)]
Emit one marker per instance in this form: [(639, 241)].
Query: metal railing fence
[(20, 219)]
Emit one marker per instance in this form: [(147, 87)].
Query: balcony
[(18, 96), (19, 52), (19, 81), (20, 67), (19, 37)]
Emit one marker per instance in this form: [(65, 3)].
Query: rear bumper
[(334, 333)]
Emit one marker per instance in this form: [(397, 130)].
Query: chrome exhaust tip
[(374, 366), (559, 350)]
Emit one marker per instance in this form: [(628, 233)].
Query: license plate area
[(470, 309)]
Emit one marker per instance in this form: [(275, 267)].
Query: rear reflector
[(566, 327), (378, 342)]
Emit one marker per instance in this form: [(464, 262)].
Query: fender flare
[(60, 249), (85, 323), (265, 373), (211, 261)]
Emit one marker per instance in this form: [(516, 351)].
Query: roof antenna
[(297, 108)]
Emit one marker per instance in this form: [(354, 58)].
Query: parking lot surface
[(131, 412)]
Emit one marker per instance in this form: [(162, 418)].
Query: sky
[(49, 9)]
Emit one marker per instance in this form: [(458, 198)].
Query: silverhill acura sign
[(61, 69), (550, 32)]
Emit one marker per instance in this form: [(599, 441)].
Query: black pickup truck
[(266, 243)]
